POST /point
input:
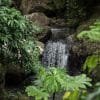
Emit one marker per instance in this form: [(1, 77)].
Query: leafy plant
[(54, 80), (17, 38), (74, 95), (37, 93), (95, 94), (93, 34), (91, 62), (5, 2)]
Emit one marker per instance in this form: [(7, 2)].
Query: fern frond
[(93, 34)]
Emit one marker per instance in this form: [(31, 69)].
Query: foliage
[(75, 95), (71, 95), (17, 42), (30, 55), (5, 2), (91, 62), (58, 78), (96, 94), (84, 94), (93, 34), (37, 93), (77, 82), (54, 80)]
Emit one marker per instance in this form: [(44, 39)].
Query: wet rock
[(83, 47), (40, 46), (27, 6), (39, 18), (79, 51)]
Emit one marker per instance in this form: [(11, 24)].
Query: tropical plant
[(37, 93), (71, 95), (53, 80), (17, 43), (91, 63), (5, 2), (95, 94), (93, 34)]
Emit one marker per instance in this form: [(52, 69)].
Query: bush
[(55, 80), (5, 2), (17, 43), (93, 34)]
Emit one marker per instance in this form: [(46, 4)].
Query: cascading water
[(56, 51)]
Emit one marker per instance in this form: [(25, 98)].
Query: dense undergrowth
[(92, 61), (93, 34)]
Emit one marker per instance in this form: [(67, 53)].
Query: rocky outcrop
[(28, 6), (39, 18), (82, 47), (79, 51)]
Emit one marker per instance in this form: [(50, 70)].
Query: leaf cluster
[(17, 43), (95, 94), (5, 2), (91, 62), (54, 80), (93, 34)]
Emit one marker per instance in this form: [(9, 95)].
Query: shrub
[(93, 34), (55, 80), (17, 43)]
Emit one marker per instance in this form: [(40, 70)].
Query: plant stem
[(54, 96)]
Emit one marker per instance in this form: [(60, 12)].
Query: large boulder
[(82, 47), (28, 5), (42, 21), (79, 51), (39, 18)]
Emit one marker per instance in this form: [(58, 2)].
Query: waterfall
[(56, 51)]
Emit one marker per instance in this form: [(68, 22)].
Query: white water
[(55, 54)]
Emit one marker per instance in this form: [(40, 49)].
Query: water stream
[(56, 51)]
